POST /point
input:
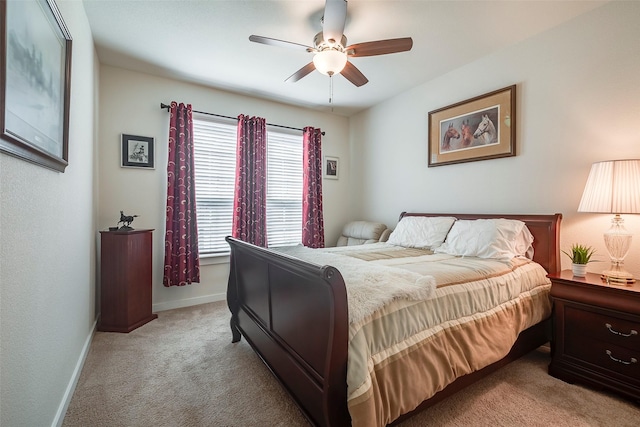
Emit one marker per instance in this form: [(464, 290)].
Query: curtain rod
[(167, 107)]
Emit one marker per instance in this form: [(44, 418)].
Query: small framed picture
[(331, 167), (137, 151)]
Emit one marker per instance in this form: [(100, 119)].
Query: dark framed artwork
[(480, 128), (36, 82), (137, 151), (331, 167)]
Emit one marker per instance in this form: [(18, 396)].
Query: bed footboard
[(294, 315)]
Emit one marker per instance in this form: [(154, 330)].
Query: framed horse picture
[(480, 128)]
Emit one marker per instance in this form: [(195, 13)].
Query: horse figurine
[(467, 134), (487, 131), (448, 135), (126, 221)]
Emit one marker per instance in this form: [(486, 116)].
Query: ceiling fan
[(330, 48)]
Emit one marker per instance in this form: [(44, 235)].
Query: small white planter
[(579, 270)]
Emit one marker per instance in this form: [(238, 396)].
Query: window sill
[(214, 259)]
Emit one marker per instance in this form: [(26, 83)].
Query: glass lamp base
[(617, 240), (617, 276)]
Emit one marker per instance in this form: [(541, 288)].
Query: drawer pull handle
[(624, 362), (633, 331)]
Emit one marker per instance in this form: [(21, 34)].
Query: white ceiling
[(207, 42)]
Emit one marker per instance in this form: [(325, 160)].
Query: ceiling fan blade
[(335, 15), (301, 73), (351, 73), (380, 47), (279, 43)]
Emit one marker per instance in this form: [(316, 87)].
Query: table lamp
[(614, 187)]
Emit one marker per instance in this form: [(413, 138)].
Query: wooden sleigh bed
[(295, 315)]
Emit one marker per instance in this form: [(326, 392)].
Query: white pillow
[(488, 238), (421, 231)]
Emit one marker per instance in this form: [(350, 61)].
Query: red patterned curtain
[(250, 200), (181, 260), (312, 218)]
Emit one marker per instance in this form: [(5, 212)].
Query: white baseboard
[(71, 387), (188, 302)]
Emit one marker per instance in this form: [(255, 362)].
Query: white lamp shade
[(330, 61), (612, 187)]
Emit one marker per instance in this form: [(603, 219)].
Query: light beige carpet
[(182, 370)]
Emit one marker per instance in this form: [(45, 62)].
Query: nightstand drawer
[(602, 327), (615, 359)]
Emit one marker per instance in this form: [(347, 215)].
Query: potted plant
[(580, 256)]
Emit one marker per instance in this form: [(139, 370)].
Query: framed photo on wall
[(137, 151), (36, 81), (480, 128), (331, 167)]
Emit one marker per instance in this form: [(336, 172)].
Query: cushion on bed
[(421, 231), (488, 238)]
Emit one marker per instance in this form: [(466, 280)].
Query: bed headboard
[(545, 230)]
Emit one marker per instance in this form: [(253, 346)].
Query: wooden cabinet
[(125, 280), (596, 333)]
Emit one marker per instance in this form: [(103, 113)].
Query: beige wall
[(130, 103), (47, 258), (578, 88)]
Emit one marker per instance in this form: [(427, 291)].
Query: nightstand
[(596, 333)]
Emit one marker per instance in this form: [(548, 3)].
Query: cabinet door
[(126, 286), (139, 286)]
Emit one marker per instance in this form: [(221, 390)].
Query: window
[(284, 188), (215, 164)]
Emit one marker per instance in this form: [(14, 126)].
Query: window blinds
[(215, 164), (284, 188)]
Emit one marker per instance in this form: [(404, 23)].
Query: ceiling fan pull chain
[(331, 92)]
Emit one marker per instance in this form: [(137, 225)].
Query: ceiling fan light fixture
[(330, 61), (330, 48)]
